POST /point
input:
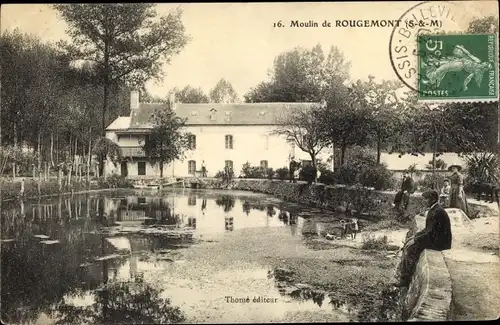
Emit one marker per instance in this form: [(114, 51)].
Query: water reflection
[(54, 251)]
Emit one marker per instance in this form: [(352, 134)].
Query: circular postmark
[(409, 42)]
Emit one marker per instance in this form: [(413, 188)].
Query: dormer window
[(212, 114)]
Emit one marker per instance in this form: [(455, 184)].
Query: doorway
[(124, 169)]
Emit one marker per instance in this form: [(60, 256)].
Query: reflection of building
[(229, 223)]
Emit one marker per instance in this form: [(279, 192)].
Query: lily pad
[(7, 240), (42, 236), (107, 257), (49, 242)]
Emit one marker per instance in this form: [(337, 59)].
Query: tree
[(166, 142), (452, 127), (382, 103), (189, 95), (125, 41), (339, 121), (223, 92), (301, 127), (302, 75)]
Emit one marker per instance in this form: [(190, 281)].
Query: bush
[(115, 181), (253, 171), (282, 173), (226, 174), (308, 173), (362, 168), (270, 173), (327, 177), (370, 242), (378, 177), (427, 183)]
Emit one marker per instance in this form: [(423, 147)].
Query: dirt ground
[(474, 268)]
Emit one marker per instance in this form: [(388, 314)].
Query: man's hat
[(459, 168), (431, 194)]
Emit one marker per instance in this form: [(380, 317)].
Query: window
[(141, 200), (192, 200), (263, 164), (192, 141), (191, 167), (141, 168), (229, 141), (229, 164)]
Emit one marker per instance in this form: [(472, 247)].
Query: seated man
[(436, 236), (403, 196)]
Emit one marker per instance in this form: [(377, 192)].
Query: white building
[(222, 135)]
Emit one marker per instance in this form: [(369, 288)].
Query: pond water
[(141, 257)]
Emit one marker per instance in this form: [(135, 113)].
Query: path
[(474, 268)]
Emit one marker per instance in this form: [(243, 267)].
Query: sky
[(237, 41)]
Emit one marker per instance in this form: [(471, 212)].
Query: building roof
[(211, 114), (121, 123)]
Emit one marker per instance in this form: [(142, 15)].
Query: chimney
[(171, 101), (134, 100)]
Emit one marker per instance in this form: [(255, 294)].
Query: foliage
[(115, 181), (130, 302), (299, 126), (381, 102), (108, 149), (377, 176), (226, 174), (189, 95), (327, 177), (226, 202), (223, 92), (484, 167), (412, 169), (10, 189), (308, 173), (270, 173), (126, 42), (439, 164), (363, 169), (340, 119), (167, 141), (253, 171), (371, 242), (302, 75), (430, 182), (484, 25), (282, 173)]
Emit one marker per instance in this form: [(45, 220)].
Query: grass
[(387, 224), (372, 242)]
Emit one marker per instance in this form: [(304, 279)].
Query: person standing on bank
[(457, 195), (436, 236), (203, 169), (403, 196)]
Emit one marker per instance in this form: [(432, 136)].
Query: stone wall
[(368, 202), (429, 294), (375, 204)]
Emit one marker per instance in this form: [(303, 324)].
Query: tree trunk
[(343, 150), (14, 156), (51, 149), (434, 151), (105, 101), (89, 157), (333, 157), (59, 180), (313, 159), (379, 148), (57, 149), (70, 171), (161, 169)]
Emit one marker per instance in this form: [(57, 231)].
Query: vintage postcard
[(249, 162)]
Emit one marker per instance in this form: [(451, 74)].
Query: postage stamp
[(457, 67)]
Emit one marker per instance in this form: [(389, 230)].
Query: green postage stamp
[(458, 67)]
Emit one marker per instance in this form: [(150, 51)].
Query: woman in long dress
[(457, 195)]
